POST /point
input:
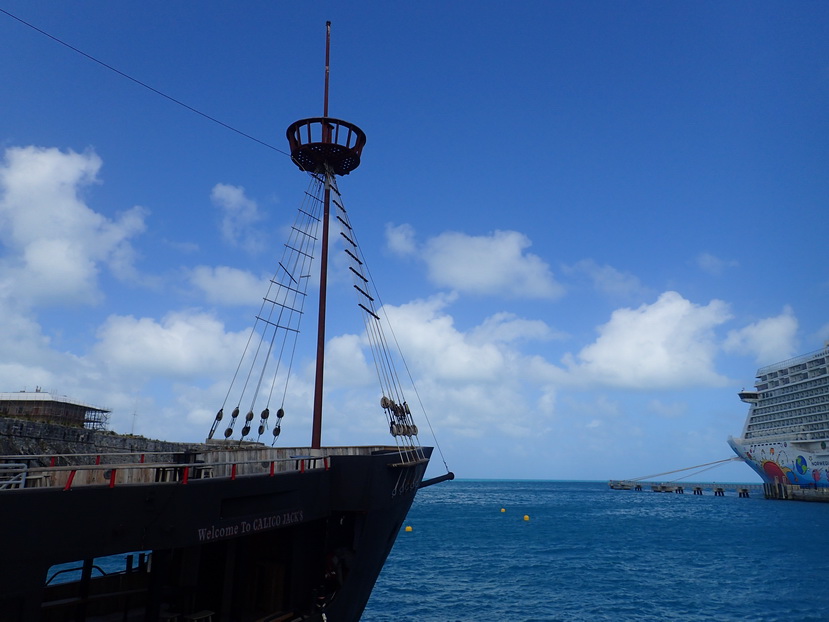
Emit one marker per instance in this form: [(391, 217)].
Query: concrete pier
[(795, 493)]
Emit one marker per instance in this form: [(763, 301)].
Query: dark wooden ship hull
[(290, 545)]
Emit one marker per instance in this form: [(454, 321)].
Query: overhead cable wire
[(144, 84), (698, 466), (695, 473)]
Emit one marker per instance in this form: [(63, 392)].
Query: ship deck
[(213, 461)]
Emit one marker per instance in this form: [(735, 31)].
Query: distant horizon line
[(597, 481)]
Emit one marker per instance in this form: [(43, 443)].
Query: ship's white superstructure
[(786, 433)]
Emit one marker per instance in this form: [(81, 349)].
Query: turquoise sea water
[(590, 553)]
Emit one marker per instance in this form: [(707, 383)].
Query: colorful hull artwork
[(785, 463)]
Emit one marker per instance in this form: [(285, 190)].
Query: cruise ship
[(787, 429)]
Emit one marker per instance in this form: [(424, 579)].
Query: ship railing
[(792, 361), (326, 130), (74, 569), (116, 473), (326, 141), (212, 461), (13, 475)]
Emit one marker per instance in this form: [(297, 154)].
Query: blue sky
[(591, 222)]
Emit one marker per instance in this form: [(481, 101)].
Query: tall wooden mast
[(324, 147), (316, 430)]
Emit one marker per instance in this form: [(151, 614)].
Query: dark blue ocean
[(591, 553)]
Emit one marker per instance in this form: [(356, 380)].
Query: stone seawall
[(20, 437)]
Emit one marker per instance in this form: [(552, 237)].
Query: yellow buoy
[(408, 527), (503, 510), (526, 517)]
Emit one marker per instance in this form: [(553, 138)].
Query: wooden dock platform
[(695, 488)]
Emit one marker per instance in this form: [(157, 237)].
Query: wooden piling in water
[(698, 488)]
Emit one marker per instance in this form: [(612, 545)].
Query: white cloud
[(345, 362), (228, 286), (56, 245), (714, 265), (239, 217), (598, 409), (508, 327), (490, 265), (400, 239), (496, 264), (607, 279), (822, 334), (183, 345), (428, 335), (768, 340), (475, 387), (669, 343), (25, 354), (668, 410)]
